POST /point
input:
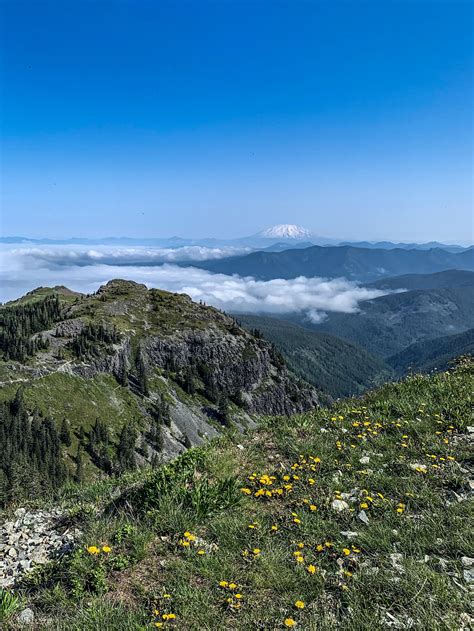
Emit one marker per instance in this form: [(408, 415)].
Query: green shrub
[(187, 484)]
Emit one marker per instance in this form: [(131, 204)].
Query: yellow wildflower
[(93, 550), (299, 604), (289, 622)]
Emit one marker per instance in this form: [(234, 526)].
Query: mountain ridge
[(359, 264), (143, 359)]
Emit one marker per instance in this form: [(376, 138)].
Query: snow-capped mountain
[(285, 231)]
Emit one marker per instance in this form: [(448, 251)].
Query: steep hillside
[(330, 363), (389, 324), (433, 354), (137, 367), (356, 517), (331, 262), (448, 279)]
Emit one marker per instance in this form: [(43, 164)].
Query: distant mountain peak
[(285, 231)]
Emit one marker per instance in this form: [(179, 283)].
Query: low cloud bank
[(65, 255), (23, 269)]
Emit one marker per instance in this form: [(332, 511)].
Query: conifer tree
[(65, 433)]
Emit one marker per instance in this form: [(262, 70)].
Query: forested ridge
[(18, 323)]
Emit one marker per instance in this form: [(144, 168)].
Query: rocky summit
[(167, 370)]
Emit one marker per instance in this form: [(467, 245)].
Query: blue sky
[(202, 118)]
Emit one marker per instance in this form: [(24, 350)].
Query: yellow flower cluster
[(189, 539), (234, 599), (160, 619), (251, 554), (267, 486), (94, 550)]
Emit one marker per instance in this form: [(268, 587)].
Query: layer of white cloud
[(24, 268), (64, 255)]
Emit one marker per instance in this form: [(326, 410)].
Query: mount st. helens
[(171, 370), (285, 231)]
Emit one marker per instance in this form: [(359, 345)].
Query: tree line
[(30, 453), (18, 323)]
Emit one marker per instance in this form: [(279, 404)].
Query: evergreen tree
[(65, 433), (30, 456), (126, 448)]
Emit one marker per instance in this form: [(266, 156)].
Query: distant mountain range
[(284, 235), (432, 308), (389, 324), (389, 245), (358, 264)]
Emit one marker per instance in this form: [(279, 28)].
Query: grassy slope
[(415, 513), (334, 365)]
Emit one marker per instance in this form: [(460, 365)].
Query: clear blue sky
[(207, 118)]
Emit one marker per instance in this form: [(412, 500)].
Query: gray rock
[(467, 562), (339, 505), (32, 538), (349, 534), (396, 558), (26, 617)]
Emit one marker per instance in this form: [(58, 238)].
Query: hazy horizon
[(219, 119), (332, 240)]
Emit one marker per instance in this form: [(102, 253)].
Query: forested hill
[(433, 354), (350, 262), (94, 385), (334, 365)]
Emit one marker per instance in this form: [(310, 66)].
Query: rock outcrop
[(32, 538)]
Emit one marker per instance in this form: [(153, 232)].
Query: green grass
[(417, 424)]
